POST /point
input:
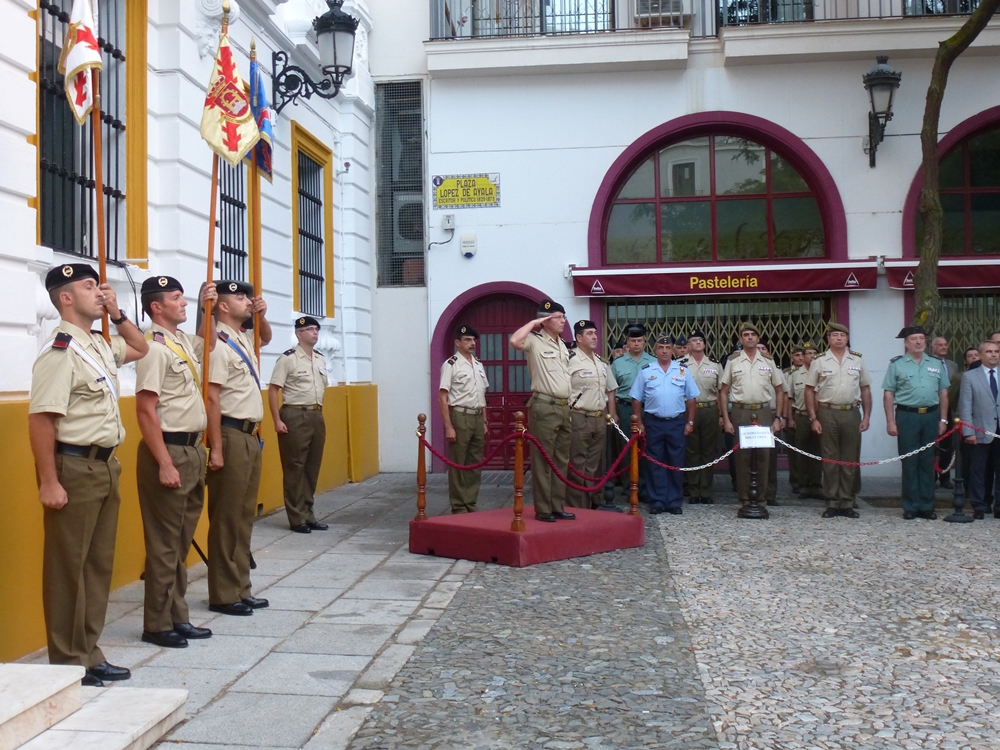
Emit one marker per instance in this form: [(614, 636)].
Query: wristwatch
[(691, 423), (944, 421), (120, 320)]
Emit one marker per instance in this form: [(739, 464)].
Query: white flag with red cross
[(81, 56), (227, 122)]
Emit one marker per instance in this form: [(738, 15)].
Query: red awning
[(979, 273), (774, 278)]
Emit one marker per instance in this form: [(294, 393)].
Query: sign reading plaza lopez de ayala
[(787, 278), (466, 191)]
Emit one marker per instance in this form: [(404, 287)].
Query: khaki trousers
[(810, 470), (586, 451), (169, 518), (551, 424), (232, 505), (301, 451), (741, 416), (840, 441), (79, 555), (702, 447), (470, 440)]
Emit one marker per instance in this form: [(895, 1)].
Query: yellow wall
[(351, 414)]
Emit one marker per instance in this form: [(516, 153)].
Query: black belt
[(664, 419), (243, 425), (93, 452), (187, 439), (917, 409), (626, 401)]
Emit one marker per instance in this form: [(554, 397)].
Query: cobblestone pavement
[(813, 633)]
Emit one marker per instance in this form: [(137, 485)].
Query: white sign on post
[(756, 436)]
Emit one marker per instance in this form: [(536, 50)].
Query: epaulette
[(159, 337), (223, 336), (572, 353), (644, 366), (288, 352), (898, 356), (243, 330), (536, 333), (856, 354), (734, 355), (61, 341), (453, 359)]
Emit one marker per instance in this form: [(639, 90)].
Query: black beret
[(910, 331), (230, 286), (548, 307), (635, 330), (305, 321), (680, 341), (696, 334), (582, 325), (69, 272), (466, 330), (619, 343), (157, 284)]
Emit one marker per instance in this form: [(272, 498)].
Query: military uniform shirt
[(838, 383), (916, 383), (180, 407), (664, 392), (626, 368), (706, 377), (590, 380), (547, 364), (751, 381), (63, 383), (797, 387), (302, 380), (465, 382), (240, 397)]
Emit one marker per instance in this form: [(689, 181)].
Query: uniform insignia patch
[(157, 336), (856, 354), (898, 356), (289, 352), (734, 355), (62, 340), (452, 360), (644, 366), (223, 336), (572, 354)]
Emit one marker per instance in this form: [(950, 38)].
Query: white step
[(34, 697), (118, 718)]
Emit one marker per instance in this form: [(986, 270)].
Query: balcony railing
[(472, 19)]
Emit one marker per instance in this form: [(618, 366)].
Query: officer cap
[(635, 330), (798, 349), (305, 321), (696, 334), (830, 327), (230, 286), (810, 345), (69, 272), (548, 307), (680, 341), (583, 325), (664, 340), (466, 330), (748, 326), (157, 284), (910, 331)]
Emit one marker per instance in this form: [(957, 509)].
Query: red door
[(496, 318)]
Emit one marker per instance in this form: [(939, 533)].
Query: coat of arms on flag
[(81, 55), (262, 115), (227, 122)]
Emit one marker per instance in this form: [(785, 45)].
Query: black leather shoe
[(947, 484), (996, 514), (656, 510), (236, 608), (256, 603), (930, 515), (674, 511), (849, 513), (302, 528), (546, 517), (108, 672), (707, 501), (978, 515), (316, 526), (90, 681), (166, 639), (907, 516), (562, 515), (772, 503), (831, 513), (190, 632)]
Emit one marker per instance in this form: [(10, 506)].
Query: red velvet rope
[(470, 467), (572, 485)]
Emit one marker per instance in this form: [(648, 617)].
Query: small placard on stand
[(756, 437)]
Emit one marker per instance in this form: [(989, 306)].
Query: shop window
[(713, 198)]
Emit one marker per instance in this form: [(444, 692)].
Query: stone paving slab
[(302, 674)]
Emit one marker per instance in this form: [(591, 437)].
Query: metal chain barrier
[(724, 456), (873, 463)]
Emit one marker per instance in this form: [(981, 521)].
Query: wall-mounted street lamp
[(881, 84), (335, 32)]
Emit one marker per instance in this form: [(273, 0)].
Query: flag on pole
[(80, 56), (262, 115), (227, 122)]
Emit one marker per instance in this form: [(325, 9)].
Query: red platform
[(486, 536)]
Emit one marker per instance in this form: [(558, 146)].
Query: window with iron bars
[(66, 204), (399, 165), (232, 221), (312, 284)]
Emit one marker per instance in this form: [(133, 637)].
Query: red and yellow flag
[(228, 123), (80, 56)]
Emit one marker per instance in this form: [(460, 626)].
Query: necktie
[(993, 384)]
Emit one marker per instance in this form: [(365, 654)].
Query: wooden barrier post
[(633, 491), (421, 470), (518, 523)]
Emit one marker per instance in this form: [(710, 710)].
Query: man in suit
[(977, 405)]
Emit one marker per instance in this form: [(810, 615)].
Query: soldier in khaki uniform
[(235, 411), (74, 427), (703, 442), (300, 377), (810, 470), (548, 409), (838, 383), (462, 403), (170, 463), (751, 380), (794, 414), (592, 389)]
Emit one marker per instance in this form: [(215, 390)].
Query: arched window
[(717, 197), (970, 195)]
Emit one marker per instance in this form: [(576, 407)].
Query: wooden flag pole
[(102, 261), (255, 231), (207, 332)]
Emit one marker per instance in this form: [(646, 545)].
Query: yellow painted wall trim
[(136, 136), (307, 143), (33, 139)]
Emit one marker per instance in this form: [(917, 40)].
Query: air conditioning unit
[(662, 13), (408, 223)]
